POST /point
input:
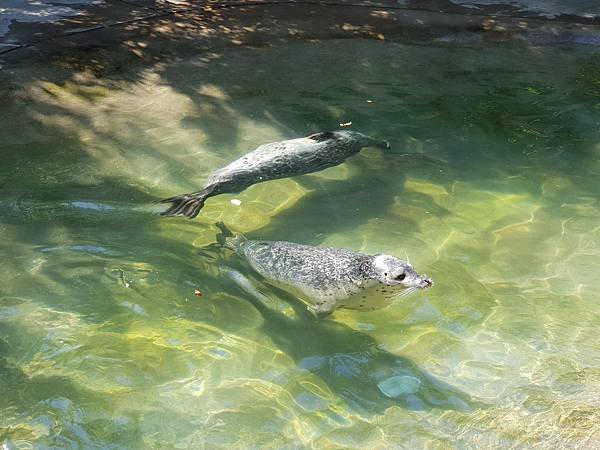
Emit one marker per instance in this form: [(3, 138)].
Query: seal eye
[(400, 277)]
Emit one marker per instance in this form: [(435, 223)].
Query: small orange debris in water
[(197, 292)]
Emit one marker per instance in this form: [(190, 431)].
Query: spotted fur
[(328, 278)]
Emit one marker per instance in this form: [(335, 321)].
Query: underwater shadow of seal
[(334, 206), (346, 359)]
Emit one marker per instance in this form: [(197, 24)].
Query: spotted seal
[(272, 161), (328, 278)]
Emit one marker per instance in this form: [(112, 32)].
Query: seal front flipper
[(188, 205), (321, 312)]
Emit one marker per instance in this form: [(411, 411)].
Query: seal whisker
[(406, 293)]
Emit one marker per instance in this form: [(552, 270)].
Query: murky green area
[(491, 187)]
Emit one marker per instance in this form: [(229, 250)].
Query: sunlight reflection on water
[(490, 187)]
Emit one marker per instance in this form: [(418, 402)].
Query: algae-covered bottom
[(490, 187)]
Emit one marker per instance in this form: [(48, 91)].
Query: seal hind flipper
[(226, 238), (188, 205), (224, 234), (321, 136)]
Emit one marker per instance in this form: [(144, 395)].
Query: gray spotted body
[(273, 161), (328, 278)]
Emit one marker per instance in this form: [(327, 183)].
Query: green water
[(491, 187)]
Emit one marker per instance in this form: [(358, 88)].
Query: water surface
[(491, 187)]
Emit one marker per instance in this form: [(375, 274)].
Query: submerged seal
[(272, 161), (328, 278)]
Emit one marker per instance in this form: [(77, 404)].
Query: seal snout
[(384, 145), (427, 282)]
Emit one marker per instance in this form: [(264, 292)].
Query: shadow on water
[(335, 206), (332, 206), (351, 363)]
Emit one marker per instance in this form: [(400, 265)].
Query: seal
[(272, 161), (328, 278)]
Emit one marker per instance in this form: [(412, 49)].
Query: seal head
[(393, 271)]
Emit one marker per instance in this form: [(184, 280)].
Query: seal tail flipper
[(188, 205), (227, 239)]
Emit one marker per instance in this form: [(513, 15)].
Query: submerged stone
[(399, 385)]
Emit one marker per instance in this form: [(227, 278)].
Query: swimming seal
[(272, 161), (328, 278)]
